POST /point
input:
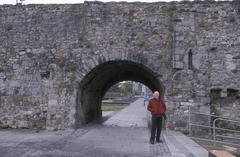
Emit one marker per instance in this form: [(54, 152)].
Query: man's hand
[(164, 116)]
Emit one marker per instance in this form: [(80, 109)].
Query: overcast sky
[(70, 1)]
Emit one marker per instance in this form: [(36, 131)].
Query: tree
[(115, 88), (126, 86)]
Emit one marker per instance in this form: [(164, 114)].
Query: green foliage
[(72, 77), (72, 66), (191, 67), (170, 9), (126, 87), (115, 88), (141, 44), (84, 43), (194, 69), (171, 93), (61, 62), (8, 27)]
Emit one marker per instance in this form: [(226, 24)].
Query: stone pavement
[(123, 135), (135, 115)]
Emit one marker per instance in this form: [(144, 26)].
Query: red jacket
[(156, 107)]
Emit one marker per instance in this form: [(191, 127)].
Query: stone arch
[(96, 83)]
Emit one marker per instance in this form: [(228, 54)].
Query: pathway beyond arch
[(123, 135), (135, 115)]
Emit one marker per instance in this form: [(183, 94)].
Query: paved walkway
[(135, 115), (124, 135)]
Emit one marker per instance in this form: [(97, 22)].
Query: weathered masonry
[(57, 61)]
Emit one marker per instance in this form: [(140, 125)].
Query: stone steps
[(182, 146), (208, 144), (218, 153)]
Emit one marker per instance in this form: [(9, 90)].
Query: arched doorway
[(96, 83)]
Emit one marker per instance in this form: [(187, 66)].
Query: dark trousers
[(156, 128)]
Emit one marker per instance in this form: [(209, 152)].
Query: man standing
[(157, 108)]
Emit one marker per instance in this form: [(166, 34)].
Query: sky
[(71, 1)]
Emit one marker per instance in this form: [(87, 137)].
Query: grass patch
[(107, 100), (112, 108), (112, 99), (118, 99)]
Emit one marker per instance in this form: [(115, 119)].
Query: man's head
[(156, 95)]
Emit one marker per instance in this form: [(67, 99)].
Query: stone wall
[(47, 51)]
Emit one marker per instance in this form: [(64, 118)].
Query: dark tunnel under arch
[(96, 83)]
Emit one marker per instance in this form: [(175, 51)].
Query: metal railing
[(214, 128), (231, 130)]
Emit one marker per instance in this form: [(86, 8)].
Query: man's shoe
[(159, 141), (152, 142)]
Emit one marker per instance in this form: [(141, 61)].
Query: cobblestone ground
[(123, 135), (159, 150)]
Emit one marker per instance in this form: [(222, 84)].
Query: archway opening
[(97, 82), (120, 96)]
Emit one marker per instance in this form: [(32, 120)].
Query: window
[(190, 65)]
